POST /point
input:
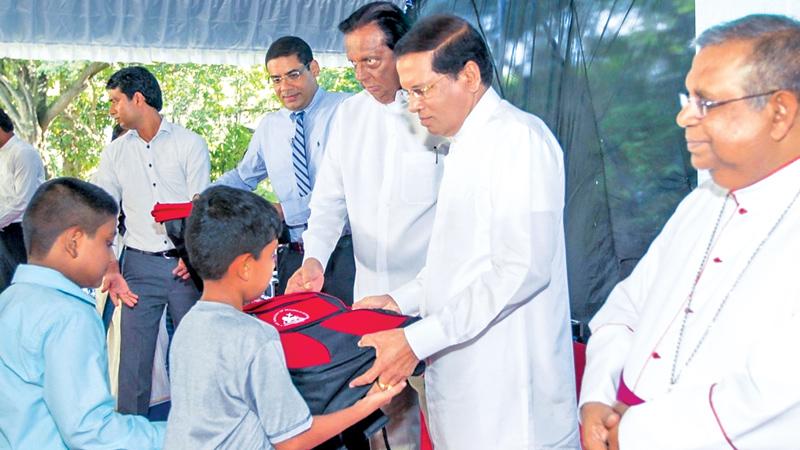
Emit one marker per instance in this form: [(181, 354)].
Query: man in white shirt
[(382, 172), (287, 147), (697, 348), (21, 172), (155, 161), (493, 293)]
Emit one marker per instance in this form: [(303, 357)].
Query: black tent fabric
[(604, 75)]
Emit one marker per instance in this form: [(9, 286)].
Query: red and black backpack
[(319, 334)]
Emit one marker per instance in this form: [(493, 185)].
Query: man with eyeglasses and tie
[(381, 171), (287, 147), (697, 348)]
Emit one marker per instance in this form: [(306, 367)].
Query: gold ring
[(384, 387)]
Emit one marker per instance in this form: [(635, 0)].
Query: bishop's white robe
[(740, 389)]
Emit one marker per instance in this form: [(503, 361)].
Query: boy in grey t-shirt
[(230, 385)]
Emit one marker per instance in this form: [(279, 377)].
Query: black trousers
[(12, 253), (340, 274)]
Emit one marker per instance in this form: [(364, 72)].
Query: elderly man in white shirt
[(493, 294), (697, 348), (21, 172), (382, 171), (155, 161)]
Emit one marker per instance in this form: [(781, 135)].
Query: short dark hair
[(62, 203), (775, 58), (453, 41), (387, 16), (225, 223), (131, 80), (5, 122), (290, 46)]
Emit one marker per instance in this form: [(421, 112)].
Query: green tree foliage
[(221, 103), (34, 93)]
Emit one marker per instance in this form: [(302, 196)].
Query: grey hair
[(775, 59)]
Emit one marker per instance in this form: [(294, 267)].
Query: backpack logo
[(287, 316)]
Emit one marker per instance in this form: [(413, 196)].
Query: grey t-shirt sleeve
[(282, 411)]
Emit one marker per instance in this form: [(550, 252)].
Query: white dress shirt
[(171, 168), (21, 172), (493, 294), (381, 171), (269, 154), (739, 389)]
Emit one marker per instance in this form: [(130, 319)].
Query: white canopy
[(197, 31)]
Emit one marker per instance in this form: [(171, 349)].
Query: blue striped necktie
[(299, 155)]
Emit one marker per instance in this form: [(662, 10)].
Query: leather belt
[(172, 253)]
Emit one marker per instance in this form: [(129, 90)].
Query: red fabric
[(302, 351), (163, 212), (579, 357), (424, 439), (362, 321), (625, 395)]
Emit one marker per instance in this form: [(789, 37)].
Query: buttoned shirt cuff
[(407, 297), (311, 249), (426, 337)]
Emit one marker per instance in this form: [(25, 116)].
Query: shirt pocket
[(419, 177)]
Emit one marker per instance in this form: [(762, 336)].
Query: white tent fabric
[(177, 31)]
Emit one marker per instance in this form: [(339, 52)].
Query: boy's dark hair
[(387, 16), (290, 46), (225, 223), (454, 42), (5, 122), (131, 80), (62, 203)]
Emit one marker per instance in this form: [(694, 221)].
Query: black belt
[(165, 254)]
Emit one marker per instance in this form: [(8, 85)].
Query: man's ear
[(313, 66), (471, 73), (73, 238), (138, 99), (784, 105)]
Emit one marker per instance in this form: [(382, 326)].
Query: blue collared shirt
[(54, 389), (270, 155)]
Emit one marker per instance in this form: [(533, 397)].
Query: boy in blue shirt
[(230, 385), (54, 391)]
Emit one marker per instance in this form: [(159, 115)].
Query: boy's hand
[(181, 271), (377, 302), (308, 278), (394, 359), (378, 398), (118, 290)]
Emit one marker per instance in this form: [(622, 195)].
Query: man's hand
[(596, 434), (118, 290), (377, 302), (612, 425), (394, 359), (308, 278), (181, 271)]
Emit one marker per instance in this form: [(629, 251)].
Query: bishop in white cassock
[(697, 348), (493, 293)]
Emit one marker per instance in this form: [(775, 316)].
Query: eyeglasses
[(422, 92), (703, 106), (291, 75)]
